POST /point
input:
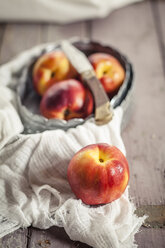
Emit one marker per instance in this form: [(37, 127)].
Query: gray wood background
[(138, 31)]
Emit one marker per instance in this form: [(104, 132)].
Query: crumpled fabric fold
[(59, 11)]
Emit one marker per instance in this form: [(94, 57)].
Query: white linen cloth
[(33, 176), (60, 11)]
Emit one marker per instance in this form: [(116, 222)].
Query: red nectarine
[(51, 68), (98, 174), (108, 70), (66, 100)]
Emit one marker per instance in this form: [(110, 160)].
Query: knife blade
[(103, 109)]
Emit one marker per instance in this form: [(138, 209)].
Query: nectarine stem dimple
[(101, 160), (66, 113), (105, 72), (53, 74)]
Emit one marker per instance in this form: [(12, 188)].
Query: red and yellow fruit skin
[(96, 182), (51, 68), (66, 100), (108, 70)]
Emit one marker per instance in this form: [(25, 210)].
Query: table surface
[(137, 30)]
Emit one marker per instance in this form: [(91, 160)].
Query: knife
[(103, 109)]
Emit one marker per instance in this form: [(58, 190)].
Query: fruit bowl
[(28, 100)]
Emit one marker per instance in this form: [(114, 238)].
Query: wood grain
[(53, 237), (19, 37), (150, 238), (18, 239), (132, 30), (2, 29), (53, 33), (155, 215), (161, 20)]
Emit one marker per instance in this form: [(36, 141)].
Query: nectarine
[(108, 70), (66, 100), (51, 68), (98, 174)]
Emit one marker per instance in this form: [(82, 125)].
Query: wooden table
[(138, 31)]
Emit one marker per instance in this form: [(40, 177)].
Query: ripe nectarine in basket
[(66, 100), (51, 68), (108, 70)]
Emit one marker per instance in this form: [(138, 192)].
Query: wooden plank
[(17, 239), (56, 237), (2, 29), (18, 37), (148, 238), (51, 32), (132, 30), (160, 10), (53, 237), (155, 215)]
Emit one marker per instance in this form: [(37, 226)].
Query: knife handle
[(103, 110)]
